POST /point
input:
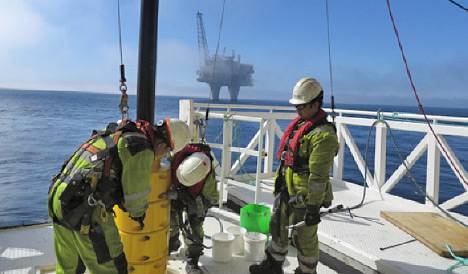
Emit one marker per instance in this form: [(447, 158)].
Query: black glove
[(312, 215), (140, 220), (326, 204)]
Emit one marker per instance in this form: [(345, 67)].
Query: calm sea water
[(39, 129)]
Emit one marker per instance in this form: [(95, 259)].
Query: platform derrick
[(221, 70)]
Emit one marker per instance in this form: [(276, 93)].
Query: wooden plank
[(432, 230)]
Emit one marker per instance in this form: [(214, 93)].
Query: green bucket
[(255, 218)]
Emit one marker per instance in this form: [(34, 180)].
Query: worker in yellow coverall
[(112, 168), (302, 184), (193, 191)]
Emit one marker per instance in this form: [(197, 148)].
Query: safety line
[(330, 68), (421, 108), (120, 31), (458, 5)]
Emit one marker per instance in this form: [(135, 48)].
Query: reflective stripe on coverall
[(196, 210), (310, 179), (101, 250)]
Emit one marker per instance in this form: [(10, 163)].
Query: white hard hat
[(193, 169), (178, 134), (305, 90)]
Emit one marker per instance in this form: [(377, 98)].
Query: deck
[(29, 250), (357, 240), (348, 245)]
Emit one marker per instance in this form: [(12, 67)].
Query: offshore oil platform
[(221, 70)]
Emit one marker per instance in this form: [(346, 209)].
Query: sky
[(73, 45)]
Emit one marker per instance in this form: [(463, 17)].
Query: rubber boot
[(267, 266), (299, 271), (174, 244), (192, 266)]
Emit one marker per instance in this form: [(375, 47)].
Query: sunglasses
[(301, 106)]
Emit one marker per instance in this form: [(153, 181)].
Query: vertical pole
[(258, 184), (226, 156), (338, 161), (433, 169), (380, 156), (147, 56), (186, 114), (270, 147)]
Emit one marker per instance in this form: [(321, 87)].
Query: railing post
[(380, 156), (338, 162), (186, 114), (270, 147), (226, 155), (433, 169), (259, 162)]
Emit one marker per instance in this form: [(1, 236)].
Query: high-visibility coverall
[(196, 201), (100, 250), (308, 179)]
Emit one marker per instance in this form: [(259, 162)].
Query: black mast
[(147, 56)]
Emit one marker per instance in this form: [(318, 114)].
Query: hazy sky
[(73, 45)]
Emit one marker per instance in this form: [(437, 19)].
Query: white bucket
[(254, 246), (238, 244), (222, 247)]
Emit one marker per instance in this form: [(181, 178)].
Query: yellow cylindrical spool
[(158, 266), (146, 249), (160, 175), (141, 248), (157, 218)]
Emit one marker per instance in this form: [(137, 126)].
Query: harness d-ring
[(91, 201)]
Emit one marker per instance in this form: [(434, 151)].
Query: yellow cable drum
[(146, 249)]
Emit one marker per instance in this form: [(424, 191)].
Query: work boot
[(192, 266), (299, 271), (267, 266), (326, 204), (174, 244)]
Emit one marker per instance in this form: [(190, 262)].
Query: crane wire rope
[(397, 150), (204, 124), (413, 179), (420, 106), (330, 66), (458, 5), (123, 105)]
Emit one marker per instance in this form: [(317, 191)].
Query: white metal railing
[(262, 144)]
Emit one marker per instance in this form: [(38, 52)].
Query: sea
[(40, 129)]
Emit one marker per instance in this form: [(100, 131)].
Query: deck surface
[(356, 241), (28, 250), (359, 238)]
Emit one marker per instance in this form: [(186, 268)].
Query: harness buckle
[(94, 158), (283, 155), (92, 201), (84, 229)]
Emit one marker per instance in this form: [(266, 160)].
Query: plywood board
[(433, 230)]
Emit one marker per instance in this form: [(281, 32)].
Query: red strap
[(291, 151), (147, 129), (178, 158)]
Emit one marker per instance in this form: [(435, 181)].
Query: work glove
[(170, 195), (326, 204), (140, 220), (312, 215)]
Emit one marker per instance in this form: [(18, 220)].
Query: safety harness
[(289, 156), (189, 197), (179, 157), (288, 149), (88, 187)]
